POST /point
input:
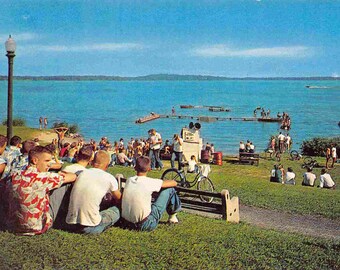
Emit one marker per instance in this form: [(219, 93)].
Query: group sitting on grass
[(35, 199), (308, 178)]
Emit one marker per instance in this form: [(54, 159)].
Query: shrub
[(17, 122), (317, 146)]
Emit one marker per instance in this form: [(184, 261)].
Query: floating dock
[(205, 118), (211, 108)]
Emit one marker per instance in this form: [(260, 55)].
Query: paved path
[(316, 226)]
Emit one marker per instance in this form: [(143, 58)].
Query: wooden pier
[(206, 118)]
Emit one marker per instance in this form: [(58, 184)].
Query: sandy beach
[(46, 136)]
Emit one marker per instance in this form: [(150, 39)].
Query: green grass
[(24, 132), (251, 184), (195, 243)]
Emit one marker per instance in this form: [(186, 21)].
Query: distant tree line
[(156, 77)]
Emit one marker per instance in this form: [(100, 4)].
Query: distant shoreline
[(161, 77)]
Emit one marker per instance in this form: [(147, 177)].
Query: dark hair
[(15, 140), (85, 153), (290, 169), (309, 169), (3, 140), (37, 150), (142, 164), (27, 146), (51, 147), (323, 170)]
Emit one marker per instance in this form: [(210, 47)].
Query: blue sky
[(236, 38)]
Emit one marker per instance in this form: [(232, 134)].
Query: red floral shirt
[(29, 200)]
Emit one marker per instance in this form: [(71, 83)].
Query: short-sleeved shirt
[(86, 195), (9, 156), (29, 200), (154, 141), (333, 152), (178, 145), (136, 202), (74, 168), (326, 181), (309, 178)]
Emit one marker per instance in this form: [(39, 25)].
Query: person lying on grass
[(137, 210), (87, 194), (36, 195)]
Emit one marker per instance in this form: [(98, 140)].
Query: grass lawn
[(197, 242)]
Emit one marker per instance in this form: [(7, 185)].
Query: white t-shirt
[(333, 152), (281, 137), (309, 178), (326, 181), (136, 202), (290, 176), (177, 146), (191, 165), (154, 140), (74, 168), (87, 194)]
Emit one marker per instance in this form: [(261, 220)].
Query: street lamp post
[(10, 48)]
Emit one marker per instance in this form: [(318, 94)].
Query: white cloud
[(19, 37), (224, 51), (85, 48)]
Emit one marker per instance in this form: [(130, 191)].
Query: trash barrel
[(205, 156), (218, 158)]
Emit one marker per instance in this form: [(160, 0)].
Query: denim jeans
[(109, 217), (155, 159), (168, 201), (179, 156)]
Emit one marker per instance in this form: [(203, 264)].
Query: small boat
[(317, 87), (150, 117), (186, 106)]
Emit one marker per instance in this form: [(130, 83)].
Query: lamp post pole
[(10, 48)]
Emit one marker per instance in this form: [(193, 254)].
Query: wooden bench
[(249, 158), (222, 205)]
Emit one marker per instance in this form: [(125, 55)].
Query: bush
[(71, 128), (17, 122), (317, 146)]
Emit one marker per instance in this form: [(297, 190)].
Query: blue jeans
[(155, 159), (109, 217), (179, 156), (168, 201)]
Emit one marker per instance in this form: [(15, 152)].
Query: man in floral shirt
[(31, 209)]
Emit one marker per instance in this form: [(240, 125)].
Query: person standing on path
[(155, 146), (177, 151), (45, 123), (40, 122)]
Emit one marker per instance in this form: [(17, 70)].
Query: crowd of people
[(34, 198), (280, 143), (279, 175)]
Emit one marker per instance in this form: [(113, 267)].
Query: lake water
[(110, 108)]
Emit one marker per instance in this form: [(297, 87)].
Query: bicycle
[(295, 155), (309, 162), (204, 183)]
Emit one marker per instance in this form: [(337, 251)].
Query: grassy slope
[(251, 184), (197, 242)]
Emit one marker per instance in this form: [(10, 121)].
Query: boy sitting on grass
[(138, 212)]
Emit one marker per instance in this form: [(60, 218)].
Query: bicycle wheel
[(307, 161), (205, 184), (294, 155), (172, 174)]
